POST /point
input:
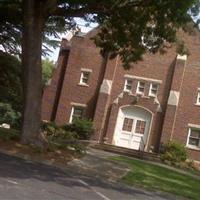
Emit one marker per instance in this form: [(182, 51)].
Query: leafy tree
[(10, 90), (10, 81), (47, 68), (125, 26)]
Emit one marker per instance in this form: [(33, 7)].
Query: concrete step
[(128, 152)]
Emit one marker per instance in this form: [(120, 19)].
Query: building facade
[(156, 101)]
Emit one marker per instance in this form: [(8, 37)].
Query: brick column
[(51, 93), (103, 101), (173, 100)]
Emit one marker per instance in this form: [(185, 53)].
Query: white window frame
[(150, 90), (198, 97), (126, 83), (72, 112), (84, 70), (189, 145), (138, 85)]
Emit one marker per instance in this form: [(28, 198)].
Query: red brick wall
[(84, 54), (187, 111)]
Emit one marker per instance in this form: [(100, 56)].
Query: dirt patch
[(57, 157)]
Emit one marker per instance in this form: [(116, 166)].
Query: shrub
[(82, 127), (9, 134), (54, 132), (9, 116), (68, 136), (173, 152)]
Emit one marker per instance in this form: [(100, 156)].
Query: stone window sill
[(83, 85), (193, 148)]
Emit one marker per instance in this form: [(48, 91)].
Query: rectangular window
[(140, 87), (128, 124), (194, 138), (153, 90), (84, 79), (198, 98), (128, 85), (77, 112), (140, 127)]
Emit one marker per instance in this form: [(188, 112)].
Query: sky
[(82, 25)]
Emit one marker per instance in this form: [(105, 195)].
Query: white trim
[(71, 114), (194, 126), (137, 107), (173, 98), (73, 104), (150, 88), (181, 57), (125, 84), (81, 78), (142, 78), (137, 89), (198, 97), (86, 70), (106, 86), (83, 84), (78, 104), (150, 123)]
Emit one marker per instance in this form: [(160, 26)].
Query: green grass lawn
[(158, 178)]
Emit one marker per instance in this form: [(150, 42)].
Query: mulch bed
[(57, 157)]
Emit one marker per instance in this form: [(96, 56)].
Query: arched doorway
[(132, 127)]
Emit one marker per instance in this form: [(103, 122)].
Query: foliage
[(9, 116), (181, 48), (55, 132), (174, 152), (68, 136), (125, 25), (159, 178), (47, 69), (82, 127), (10, 90), (8, 134), (10, 81)]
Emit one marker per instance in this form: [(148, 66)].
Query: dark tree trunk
[(33, 20)]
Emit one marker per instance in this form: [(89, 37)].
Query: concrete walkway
[(96, 164)]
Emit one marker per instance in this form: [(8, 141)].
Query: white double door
[(132, 129)]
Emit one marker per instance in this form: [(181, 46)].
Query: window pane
[(142, 84), (85, 77), (153, 89), (127, 125), (141, 87), (140, 127), (195, 133), (154, 86), (128, 85), (194, 142), (77, 113)]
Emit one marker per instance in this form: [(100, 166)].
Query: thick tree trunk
[(33, 20)]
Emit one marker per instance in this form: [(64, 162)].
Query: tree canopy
[(127, 28), (126, 25)]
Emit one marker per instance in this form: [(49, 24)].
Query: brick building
[(157, 100)]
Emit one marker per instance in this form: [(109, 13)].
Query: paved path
[(25, 180)]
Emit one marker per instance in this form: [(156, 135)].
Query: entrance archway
[(132, 127)]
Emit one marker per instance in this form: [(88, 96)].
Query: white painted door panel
[(131, 139)]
